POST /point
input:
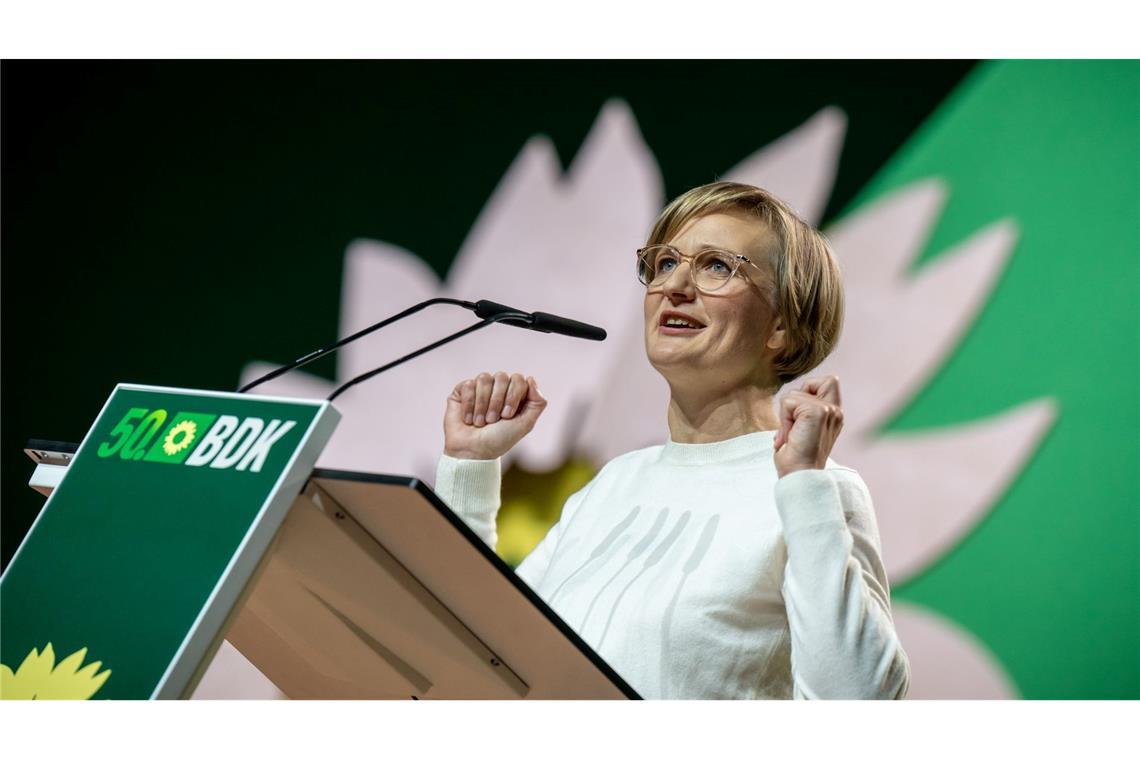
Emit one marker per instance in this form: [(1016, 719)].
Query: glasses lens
[(713, 269), (655, 263), (644, 269)]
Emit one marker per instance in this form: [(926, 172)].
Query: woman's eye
[(717, 265), (666, 264)]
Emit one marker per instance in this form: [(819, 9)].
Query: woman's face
[(736, 342)]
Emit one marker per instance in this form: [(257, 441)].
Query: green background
[(1050, 581), (128, 551)]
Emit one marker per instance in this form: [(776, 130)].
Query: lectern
[(188, 517)]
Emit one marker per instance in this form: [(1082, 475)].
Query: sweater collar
[(748, 446)]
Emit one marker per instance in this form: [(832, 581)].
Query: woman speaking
[(736, 561)]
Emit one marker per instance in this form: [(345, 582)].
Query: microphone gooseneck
[(314, 355), (488, 311), (502, 316)]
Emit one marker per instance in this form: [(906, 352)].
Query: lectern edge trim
[(190, 660)]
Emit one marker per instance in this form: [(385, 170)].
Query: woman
[(737, 560)]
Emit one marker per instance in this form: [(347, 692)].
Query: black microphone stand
[(489, 311), (516, 315), (314, 355)]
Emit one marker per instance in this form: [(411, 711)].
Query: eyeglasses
[(710, 270)]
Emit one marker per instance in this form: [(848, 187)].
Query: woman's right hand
[(486, 416)]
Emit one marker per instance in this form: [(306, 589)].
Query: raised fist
[(810, 421), (487, 415)]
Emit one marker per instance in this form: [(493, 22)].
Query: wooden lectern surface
[(374, 589)]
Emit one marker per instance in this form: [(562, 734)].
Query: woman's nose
[(679, 283)]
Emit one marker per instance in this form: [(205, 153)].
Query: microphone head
[(485, 309), (563, 326), (539, 320)]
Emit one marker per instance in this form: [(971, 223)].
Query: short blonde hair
[(806, 287)]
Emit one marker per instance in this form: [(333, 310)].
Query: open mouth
[(675, 321)]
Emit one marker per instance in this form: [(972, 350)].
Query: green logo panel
[(129, 549)]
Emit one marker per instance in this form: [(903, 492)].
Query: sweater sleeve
[(470, 487), (843, 639)]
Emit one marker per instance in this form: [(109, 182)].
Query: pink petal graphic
[(930, 488), (381, 280), (563, 237), (947, 661), (628, 412), (531, 249), (877, 242), (231, 676), (900, 328), (799, 167)]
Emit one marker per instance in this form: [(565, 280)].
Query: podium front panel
[(127, 577)]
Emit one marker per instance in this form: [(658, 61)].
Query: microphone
[(540, 321), (488, 311)]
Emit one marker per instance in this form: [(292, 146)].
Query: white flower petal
[(502, 242), (567, 241), (565, 245), (899, 329), (930, 488), (878, 241), (231, 676), (628, 411), (381, 280), (946, 661), (800, 167)]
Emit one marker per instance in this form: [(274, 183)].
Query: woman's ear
[(777, 339)]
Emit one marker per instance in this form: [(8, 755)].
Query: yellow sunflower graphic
[(179, 437), (38, 677)]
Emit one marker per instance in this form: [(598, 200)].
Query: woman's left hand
[(810, 421)]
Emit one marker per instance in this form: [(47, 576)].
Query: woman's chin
[(672, 362)]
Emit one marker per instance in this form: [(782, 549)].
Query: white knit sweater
[(697, 574)]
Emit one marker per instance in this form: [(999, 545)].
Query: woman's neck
[(711, 415)]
